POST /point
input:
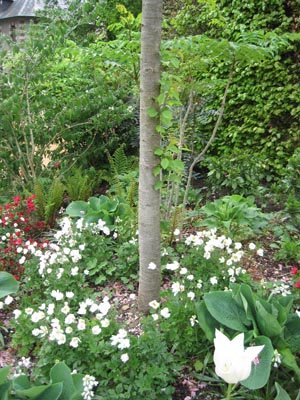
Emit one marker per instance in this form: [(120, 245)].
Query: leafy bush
[(235, 216)]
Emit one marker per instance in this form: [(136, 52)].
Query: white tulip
[(232, 361)]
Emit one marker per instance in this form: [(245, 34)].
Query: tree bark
[(149, 198)]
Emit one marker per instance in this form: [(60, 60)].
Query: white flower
[(104, 323), (213, 280), (154, 304), (8, 300), (96, 330), (193, 320), (276, 358), (298, 313), (191, 295), (75, 342), (183, 271), (232, 361), (155, 316), (176, 288), (70, 319), (81, 324), (35, 332), (176, 232), (69, 329), (238, 245), (74, 271), (57, 295), (124, 357), (199, 284), (190, 277), (37, 316), (22, 260), (28, 311), (260, 252), (132, 296), (69, 295), (17, 313), (165, 312), (152, 266), (221, 260), (252, 246), (173, 266), (65, 309)]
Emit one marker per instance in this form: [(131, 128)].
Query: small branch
[(210, 141)]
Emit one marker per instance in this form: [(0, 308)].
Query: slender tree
[(149, 197)]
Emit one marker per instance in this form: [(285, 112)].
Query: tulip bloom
[(232, 361)]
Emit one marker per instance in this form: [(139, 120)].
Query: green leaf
[(164, 163), (4, 372), (8, 284), (77, 209), (159, 151), (292, 333), (224, 309), (260, 373), (152, 112), (4, 388), (48, 392), (281, 393), (289, 360), (21, 383), (267, 323), (207, 323), (166, 116), (158, 185), (61, 373)]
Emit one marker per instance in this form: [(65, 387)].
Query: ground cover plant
[(224, 251)]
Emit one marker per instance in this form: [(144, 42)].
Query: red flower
[(297, 285), (17, 200), (294, 270)]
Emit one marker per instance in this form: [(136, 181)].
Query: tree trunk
[(149, 198)]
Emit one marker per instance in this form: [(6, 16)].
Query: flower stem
[(230, 389)]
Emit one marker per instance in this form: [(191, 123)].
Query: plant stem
[(230, 389)]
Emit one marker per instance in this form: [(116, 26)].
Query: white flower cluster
[(276, 359), (22, 366), (164, 312), (121, 340), (64, 330), (89, 382), (281, 288)]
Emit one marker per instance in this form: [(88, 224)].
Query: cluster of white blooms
[(164, 312), (233, 272), (121, 340), (89, 382), (276, 358), (281, 288), (22, 366), (64, 330)]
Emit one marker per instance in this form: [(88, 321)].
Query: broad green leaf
[(4, 372), (61, 373), (8, 284), (281, 393), (289, 360), (260, 372), (207, 323), (94, 203), (225, 310), (292, 333), (21, 383), (53, 392), (77, 209), (4, 388), (166, 116), (267, 323)]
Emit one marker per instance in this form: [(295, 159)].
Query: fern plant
[(79, 185), (48, 199)]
